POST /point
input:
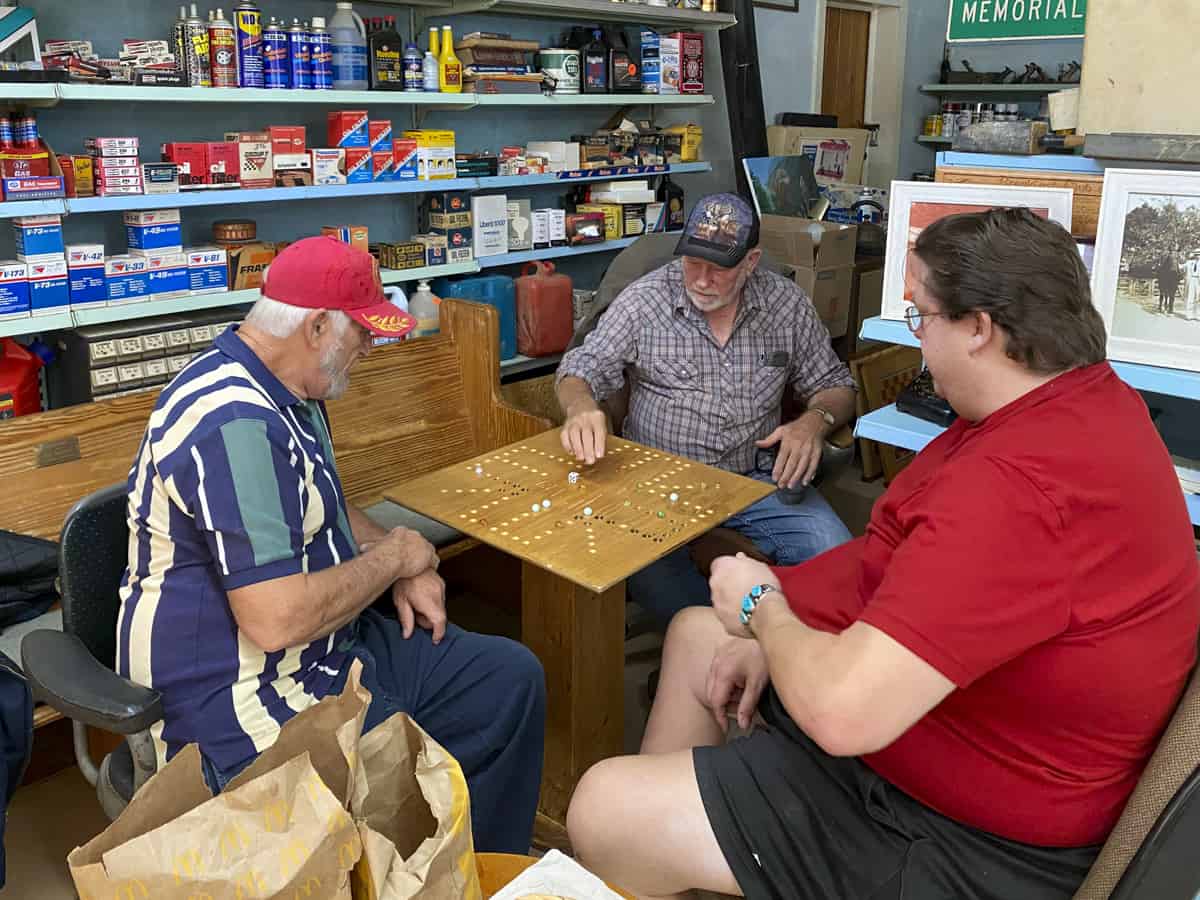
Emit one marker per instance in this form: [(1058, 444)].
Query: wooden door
[(844, 80)]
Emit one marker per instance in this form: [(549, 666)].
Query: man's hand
[(408, 551), (421, 601), (584, 433), (800, 444), (730, 580), (738, 674)]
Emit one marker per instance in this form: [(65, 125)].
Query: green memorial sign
[(1009, 20)]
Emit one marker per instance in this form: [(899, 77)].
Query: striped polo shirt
[(234, 484)]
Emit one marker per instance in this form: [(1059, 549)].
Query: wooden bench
[(411, 408)]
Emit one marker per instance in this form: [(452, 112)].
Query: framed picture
[(1146, 277), (915, 205), (783, 5)]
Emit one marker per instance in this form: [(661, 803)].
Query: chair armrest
[(63, 674)]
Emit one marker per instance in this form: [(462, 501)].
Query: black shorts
[(795, 823)]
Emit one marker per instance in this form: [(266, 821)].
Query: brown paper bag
[(283, 834)]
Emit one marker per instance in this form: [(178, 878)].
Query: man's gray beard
[(339, 382)]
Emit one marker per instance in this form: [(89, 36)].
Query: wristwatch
[(750, 602), (825, 414)]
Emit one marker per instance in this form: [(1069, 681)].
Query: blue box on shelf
[(164, 238), (85, 273), (37, 237), (48, 290), (168, 275), (127, 278), (208, 270), (40, 188), (14, 289)]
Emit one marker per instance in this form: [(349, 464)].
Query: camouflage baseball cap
[(722, 229)]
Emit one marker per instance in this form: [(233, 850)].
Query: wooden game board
[(624, 512)]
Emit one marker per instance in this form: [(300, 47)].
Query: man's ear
[(316, 323), (753, 258)]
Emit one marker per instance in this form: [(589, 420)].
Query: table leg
[(580, 638)]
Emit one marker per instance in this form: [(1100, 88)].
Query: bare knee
[(694, 628), (593, 822)]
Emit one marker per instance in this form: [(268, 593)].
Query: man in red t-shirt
[(959, 703)]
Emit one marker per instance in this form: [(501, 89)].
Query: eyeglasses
[(916, 319)]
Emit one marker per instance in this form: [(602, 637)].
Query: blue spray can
[(277, 69), (320, 54)]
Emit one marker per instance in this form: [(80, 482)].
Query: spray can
[(196, 50), (320, 54), (222, 51), (25, 131), (7, 139), (275, 60), (180, 41), (299, 56), (247, 23), (414, 72)]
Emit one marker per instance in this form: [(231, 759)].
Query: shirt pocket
[(678, 375)]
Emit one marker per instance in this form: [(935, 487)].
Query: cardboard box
[(192, 160), (789, 241), (668, 65), (382, 166), (585, 228), (222, 164), (329, 166), (837, 154), (287, 139), (829, 290), (404, 159), (633, 219), (520, 225), (682, 143), (435, 153), (160, 178), (453, 209), (293, 170), (168, 275), (127, 279), (115, 173), (408, 255), (112, 146), (255, 160), (166, 237), (656, 217), (436, 247), (208, 270), (690, 47), (489, 216), (106, 164), (85, 178), (48, 288), (24, 164), (85, 275), (38, 237), (14, 290), (379, 134), (349, 128), (354, 235), (613, 219), (247, 264), (541, 229), (360, 165)]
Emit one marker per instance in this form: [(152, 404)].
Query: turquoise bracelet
[(750, 601)]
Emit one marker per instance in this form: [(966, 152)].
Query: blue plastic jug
[(495, 290)]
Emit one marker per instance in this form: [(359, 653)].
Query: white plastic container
[(423, 306), (349, 34)]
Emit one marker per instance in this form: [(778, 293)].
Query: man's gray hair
[(281, 320)]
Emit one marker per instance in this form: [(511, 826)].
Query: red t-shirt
[(1043, 561)]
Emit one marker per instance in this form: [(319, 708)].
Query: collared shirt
[(234, 485), (689, 395)]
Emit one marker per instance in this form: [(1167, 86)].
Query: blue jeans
[(788, 533), (481, 697)]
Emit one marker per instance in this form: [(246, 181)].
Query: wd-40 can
[(299, 56), (247, 23), (222, 51), (320, 54), (196, 51), (275, 55)]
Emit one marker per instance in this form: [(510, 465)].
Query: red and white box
[(192, 160), (118, 181), (380, 134), (404, 159), (287, 139), (222, 164), (328, 166), (118, 172), (112, 146), (101, 163), (348, 128), (113, 191), (383, 166), (255, 166), (359, 165)]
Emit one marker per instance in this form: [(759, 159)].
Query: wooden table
[(578, 542), (497, 870)]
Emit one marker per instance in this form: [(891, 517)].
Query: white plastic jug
[(426, 309), (349, 34)]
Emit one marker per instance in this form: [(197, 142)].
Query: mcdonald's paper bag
[(283, 834), (414, 816)]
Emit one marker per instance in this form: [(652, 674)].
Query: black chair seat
[(393, 515), (120, 771)]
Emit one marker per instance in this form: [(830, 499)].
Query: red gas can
[(20, 393), (544, 315)]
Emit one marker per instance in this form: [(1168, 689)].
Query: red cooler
[(20, 393)]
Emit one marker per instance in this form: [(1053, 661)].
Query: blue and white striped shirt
[(234, 484)]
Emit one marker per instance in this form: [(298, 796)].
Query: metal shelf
[(1157, 380), (981, 89), (1193, 505), (426, 273), (512, 259), (593, 99), (897, 429), (148, 308), (585, 11), (518, 181), (933, 139), (16, 208), (141, 94)]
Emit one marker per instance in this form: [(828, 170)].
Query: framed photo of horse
[(1146, 276), (915, 205)]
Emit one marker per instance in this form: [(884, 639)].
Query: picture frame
[(1147, 267), (916, 204), (784, 6)]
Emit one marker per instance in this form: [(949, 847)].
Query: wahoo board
[(593, 525)]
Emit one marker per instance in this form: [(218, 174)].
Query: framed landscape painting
[(1146, 277), (915, 205)]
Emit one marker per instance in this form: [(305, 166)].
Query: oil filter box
[(247, 264), (379, 133), (48, 289), (192, 160), (14, 289), (449, 214), (38, 237), (436, 248), (154, 231), (255, 163), (160, 178), (408, 255), (287, 139), (168, 275), (85, 273), (127, 279), (208, 270), (329, 166), (293, 170)]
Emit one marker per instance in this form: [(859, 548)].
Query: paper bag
[(281, 835)]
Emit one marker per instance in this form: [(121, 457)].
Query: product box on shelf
[(585, 228), (288, 139), (656, 217), (254, 158), (293, 170), (168, 275), (112, 146), (489, 218), (613, 220), (668, 65), (192, 161), (85, 177), (447, 209), (651, 67), (633, 219), (360, 165), (14, 289), (560, 155), (42, 187), (435, 153), (85, 272), (436, 248), (208, 270), (379, 132), (354, 235), (112, 165), (549, 228), (127, 278), (682, 143), (383, 166), (114, 174), (160, 178), (690, 47), (404, 159), (48, 290), (349, 128), (328, 166), (520, 225), (38, 237), (247, 264), (154, 231), (222, 161), (408, 255), (24, 163)]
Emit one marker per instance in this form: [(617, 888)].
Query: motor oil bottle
[(595, 65), (385, 56), (449, 65), (671, 196), (414, 72)]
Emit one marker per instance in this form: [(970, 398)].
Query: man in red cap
[(251, 578)]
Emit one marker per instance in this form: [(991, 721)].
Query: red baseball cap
[(324, 273)]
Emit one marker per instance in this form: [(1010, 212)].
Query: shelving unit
[(1037, 90), (890, 426), (934, 139), (584, 10)]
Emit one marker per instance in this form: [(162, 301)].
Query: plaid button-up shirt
[(689, 395)]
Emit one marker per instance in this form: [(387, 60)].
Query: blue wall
[(786, 49), (926, 39), (389, 218)]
